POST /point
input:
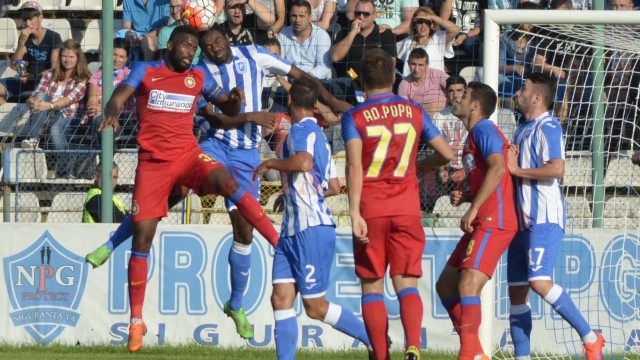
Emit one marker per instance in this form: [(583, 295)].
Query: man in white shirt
[(304, 44)]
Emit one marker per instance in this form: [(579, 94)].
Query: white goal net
[(596, 63)]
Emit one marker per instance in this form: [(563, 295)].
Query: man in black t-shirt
[(37, 47), (363, 34), (246, 29)]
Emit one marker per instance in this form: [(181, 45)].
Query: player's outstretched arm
[(222, 121), (337, 106), (441, 156), (114, 106), (302, 161)]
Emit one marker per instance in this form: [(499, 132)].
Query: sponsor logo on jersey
[(45, 283), (171, 102), (190, 82), (469, 163), (241, 65), (135, 208)]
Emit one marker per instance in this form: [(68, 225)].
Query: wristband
[(51, 105)]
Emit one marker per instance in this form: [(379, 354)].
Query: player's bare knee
[(316, 308), (228, 185), (280, 300), (541, 287)]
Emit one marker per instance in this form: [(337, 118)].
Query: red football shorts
[(155, 179), (481, 250), (397, 241)]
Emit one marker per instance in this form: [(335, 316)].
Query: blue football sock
[(240, 263), (122, 233), (286, 334), (562, 303), (344, 321), (521, 324)]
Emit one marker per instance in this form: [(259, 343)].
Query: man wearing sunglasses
[(364, 34)]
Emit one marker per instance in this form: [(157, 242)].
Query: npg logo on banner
[(45, 283)]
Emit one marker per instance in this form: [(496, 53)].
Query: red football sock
[(374, 314), (470, 319), (137, 283), (252, 211), (454, 310), (411, 315)]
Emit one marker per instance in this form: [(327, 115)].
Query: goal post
[(592, 29)]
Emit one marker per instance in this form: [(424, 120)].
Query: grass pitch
[(59, 352)]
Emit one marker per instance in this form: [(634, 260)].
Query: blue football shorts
[(305, 259)]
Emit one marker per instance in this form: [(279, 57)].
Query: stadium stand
[(61, 26), (622, 212), (622, 173), (24, 207), (66, 208), (92, 40), (9, 38)]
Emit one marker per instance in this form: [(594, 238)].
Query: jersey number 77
[(382, 152)]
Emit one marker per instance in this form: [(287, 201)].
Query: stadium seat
[(92, 39), (94, 66), (66, 208), (26, 165), (5, 69), (27, 206), (341, 163), (86, 5), (447, 215), (507, 123), (61, 26), (127, 163), (577, 168), (622, 212), (9, 40), (6, 122), (621, 172), (46, 4), (579, 214), (472, 73), (177, 214)]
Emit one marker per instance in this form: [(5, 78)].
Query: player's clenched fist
[(456, 197)]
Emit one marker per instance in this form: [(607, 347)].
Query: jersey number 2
[(380, 154)]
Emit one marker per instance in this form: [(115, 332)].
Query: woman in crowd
[(120, 73), (432, 33), (58, 100)]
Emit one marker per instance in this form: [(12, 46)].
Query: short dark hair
[(455, 80), (271, 42), (419, 53), (301, 3), (304, 93), (377, 69), (30, 13), (367, 1), (485, 95), (183, 29), (558, 3), (120, 43), (546, 84)]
